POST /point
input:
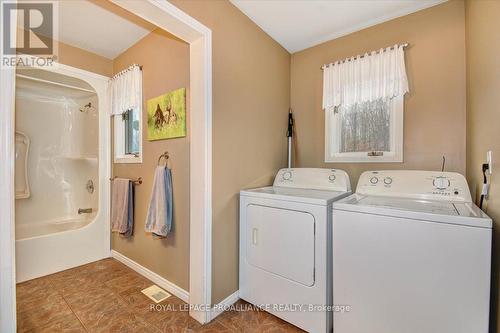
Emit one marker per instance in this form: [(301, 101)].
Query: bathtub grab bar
[(84, 211)]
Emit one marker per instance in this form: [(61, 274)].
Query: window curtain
[(377, 75), (125, 90)]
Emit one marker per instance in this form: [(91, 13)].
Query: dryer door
[(277, 237)]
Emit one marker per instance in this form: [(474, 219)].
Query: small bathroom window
[(131, 127), (125, 90), (128, 136)]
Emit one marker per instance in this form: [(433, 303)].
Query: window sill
[(364, 159), (127, 159)]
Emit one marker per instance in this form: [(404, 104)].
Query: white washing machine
[(285, 245), (411, 254)]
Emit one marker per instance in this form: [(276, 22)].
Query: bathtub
[(34, 229), (44, 248), (65, 168)]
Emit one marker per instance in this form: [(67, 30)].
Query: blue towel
[(159, 218)]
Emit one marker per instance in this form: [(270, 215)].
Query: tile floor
[(105, 296)]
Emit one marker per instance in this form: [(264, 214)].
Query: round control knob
[(374, 180), (287, 175), (387, 180), (331, 178), (441, 183)]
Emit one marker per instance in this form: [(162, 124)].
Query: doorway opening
[(169, 18)]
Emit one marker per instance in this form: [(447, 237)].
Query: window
[(363, 100), (365, 132), (125, 91), (131, 126), (128, 136)]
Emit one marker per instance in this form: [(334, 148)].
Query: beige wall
[(165, 67), (79, 58), (251, 94), (483, 116), (76, 57), (435, 108)]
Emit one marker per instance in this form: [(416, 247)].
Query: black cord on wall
[(484, 191)]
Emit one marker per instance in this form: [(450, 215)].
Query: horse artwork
[(159, 117), (172, 116), (167, 115)]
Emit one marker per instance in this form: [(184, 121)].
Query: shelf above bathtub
[(79, 157)]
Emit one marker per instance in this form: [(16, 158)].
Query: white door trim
[(172, 19), (7, 195)]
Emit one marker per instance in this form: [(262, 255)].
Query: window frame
[(332, 139), (120, 141)]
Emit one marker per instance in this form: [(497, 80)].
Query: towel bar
[(137, 181)]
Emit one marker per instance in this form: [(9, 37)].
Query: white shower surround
[(62, 156), (82, 241)]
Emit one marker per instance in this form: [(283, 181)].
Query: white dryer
[(411, 253), (285, 245)]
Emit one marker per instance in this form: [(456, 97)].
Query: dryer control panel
[(433, 185), (313, 178)]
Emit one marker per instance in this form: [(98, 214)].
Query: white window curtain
[(125, 90), (378, 75)]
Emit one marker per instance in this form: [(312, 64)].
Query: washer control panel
[(313, 178), (448, 186)]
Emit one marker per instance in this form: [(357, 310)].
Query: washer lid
[(424, 206), (428, 210), (316, 197)]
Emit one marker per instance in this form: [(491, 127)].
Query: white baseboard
[(218, 308), (160, 281)]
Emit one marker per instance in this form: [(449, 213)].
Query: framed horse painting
[(167, 115)]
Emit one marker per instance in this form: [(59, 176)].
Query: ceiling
[(299, 24), (100, 27)]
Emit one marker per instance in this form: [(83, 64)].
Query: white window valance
[(377, 75), (125, 90)]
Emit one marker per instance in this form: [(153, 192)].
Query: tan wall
[(434, 116), (165, 67), (76, 57), (79, 58), (251, 94), (483, 116)]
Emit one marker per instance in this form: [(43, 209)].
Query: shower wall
[(62, 162)]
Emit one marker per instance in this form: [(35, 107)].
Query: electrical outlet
[(489, 160)]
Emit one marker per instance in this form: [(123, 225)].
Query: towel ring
[(165, 156)]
